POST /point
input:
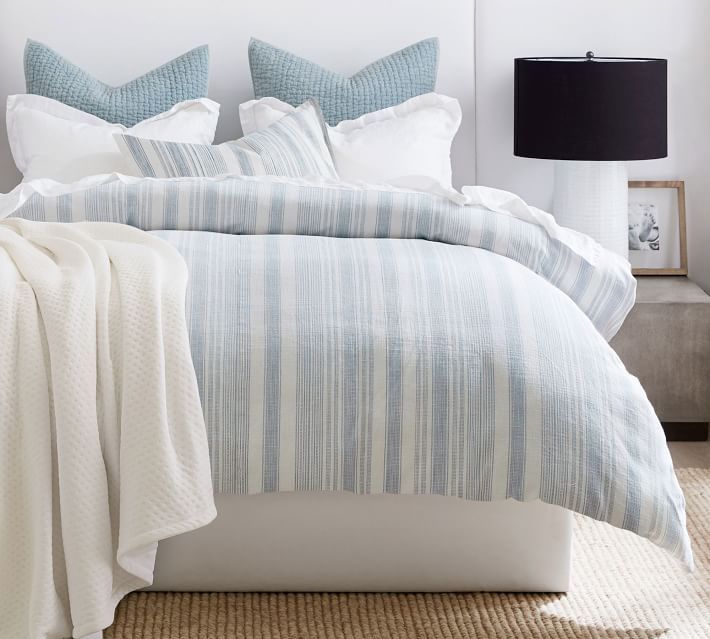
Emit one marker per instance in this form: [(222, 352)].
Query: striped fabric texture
[(374, 340), (295, 146)]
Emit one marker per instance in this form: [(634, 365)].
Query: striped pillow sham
[(295, 146)]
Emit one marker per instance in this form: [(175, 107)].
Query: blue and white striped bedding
[(375, 340)]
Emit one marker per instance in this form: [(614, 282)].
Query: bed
[(401, 386)]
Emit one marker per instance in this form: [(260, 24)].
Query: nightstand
[(665, 342)]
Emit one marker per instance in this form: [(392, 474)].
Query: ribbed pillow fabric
[(49, 74), (385, 83), (295, 146)]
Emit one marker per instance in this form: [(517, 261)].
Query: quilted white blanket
[(103, 450)]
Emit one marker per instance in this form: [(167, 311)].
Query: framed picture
[(657, 242)]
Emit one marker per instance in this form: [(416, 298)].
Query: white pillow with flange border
[(51, 140), (409, 143)]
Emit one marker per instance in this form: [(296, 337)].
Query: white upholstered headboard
[(117, 41)]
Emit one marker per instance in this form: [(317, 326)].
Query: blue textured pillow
[(49, 74), (385, 83)]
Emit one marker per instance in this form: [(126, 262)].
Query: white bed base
[(342, 542), (339, 542)]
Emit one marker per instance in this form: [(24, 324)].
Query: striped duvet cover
[(376, 340)]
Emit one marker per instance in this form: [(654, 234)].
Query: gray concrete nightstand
[(665, 342)]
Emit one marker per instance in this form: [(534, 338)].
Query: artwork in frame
[(657, 241)]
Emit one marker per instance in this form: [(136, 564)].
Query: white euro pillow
[(49, 139), (409, 142)]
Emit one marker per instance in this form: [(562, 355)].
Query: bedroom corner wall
[(673, 29)]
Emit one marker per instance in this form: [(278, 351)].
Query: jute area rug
[(622, 588)]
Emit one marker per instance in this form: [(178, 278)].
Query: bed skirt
[(367, 543)]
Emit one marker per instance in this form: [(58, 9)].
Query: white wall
[(675, 29)]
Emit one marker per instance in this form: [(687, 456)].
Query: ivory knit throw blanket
[(103, 450)]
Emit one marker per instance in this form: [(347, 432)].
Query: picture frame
[(657, 234)]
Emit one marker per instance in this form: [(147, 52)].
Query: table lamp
[(591, 115)]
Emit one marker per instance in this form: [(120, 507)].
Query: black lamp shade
[(599, 109)]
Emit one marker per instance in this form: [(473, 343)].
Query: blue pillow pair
[(275, 72)]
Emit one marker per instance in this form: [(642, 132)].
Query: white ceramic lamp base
[(593, 197)]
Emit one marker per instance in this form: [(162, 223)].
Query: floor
[(690, 454)]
